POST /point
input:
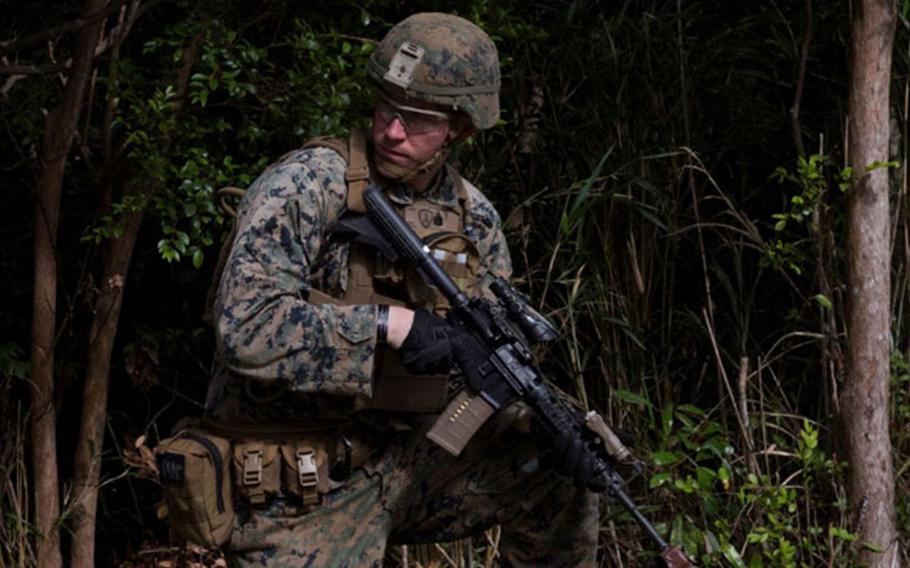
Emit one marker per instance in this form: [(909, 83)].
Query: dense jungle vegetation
[(674, 180)]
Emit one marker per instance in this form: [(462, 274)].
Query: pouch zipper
[(216, 459)]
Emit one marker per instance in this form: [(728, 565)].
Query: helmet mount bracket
[(404, 64)]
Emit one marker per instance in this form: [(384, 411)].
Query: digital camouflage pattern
[(266, 329), (415, 492), (286, 359), (459, 69), (306, 361)]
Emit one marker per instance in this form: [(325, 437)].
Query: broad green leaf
[(632, 397), (197, 259), (873, 546), (732, 556), (659, 479), (663, 457)]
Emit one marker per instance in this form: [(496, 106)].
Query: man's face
[(405, 134)]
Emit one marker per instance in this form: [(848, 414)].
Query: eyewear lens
[(414, 120)]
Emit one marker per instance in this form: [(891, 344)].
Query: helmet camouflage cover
[(441, 59)]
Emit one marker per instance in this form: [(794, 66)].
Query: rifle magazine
[(460, 421)]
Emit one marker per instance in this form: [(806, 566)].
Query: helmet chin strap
[(398, 173)]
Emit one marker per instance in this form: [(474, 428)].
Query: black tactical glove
[(570, 456), (427, 350), (470, 355)]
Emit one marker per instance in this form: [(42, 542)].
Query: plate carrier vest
[(371, 279)]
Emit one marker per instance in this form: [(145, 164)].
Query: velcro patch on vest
[(429, 218), (426, 218), (171, 467)]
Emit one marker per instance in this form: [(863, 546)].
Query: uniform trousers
[(412, 491)]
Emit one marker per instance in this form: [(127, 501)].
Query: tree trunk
[(865, 401), (101, 343), (94, 402), (59, 130)]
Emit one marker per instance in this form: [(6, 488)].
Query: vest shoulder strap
[(354, 152), (357, 175)]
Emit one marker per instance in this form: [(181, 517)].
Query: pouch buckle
[(308, 477), (252, 466), (306, 468)]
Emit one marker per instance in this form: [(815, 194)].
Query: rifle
[(506, 371)]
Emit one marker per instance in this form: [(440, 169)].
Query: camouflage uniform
[(288, 360), (265, 327), (415, 492), (308, 361)]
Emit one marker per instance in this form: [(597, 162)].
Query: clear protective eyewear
[(414, 120)]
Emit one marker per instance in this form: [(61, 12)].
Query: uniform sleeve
[(266, 329)]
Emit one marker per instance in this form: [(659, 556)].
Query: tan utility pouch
[(263, 468), (193, 468), (305, 470), (257, 471)]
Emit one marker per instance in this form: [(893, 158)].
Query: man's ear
[(461, 129)]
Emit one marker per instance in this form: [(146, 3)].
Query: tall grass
[(690, 317), (15, 532)]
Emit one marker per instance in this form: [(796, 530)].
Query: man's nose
[(395, 130)]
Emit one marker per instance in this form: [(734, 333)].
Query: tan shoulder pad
[(357, 175), (340, 145), (354, 152)]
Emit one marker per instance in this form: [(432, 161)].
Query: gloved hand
[(570, 456), (470, 356), (426, 350)]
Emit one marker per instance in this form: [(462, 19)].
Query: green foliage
[(239, 104), (327, 87), (13, 362), (777, 518), (900, 382), (806, 186), (811, 183), (15, 529), (170, 139)]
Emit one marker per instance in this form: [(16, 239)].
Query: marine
[(336, 362)]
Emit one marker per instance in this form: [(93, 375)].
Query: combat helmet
[(441, 59)]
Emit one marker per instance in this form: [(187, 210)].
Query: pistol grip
[(460, 421)]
